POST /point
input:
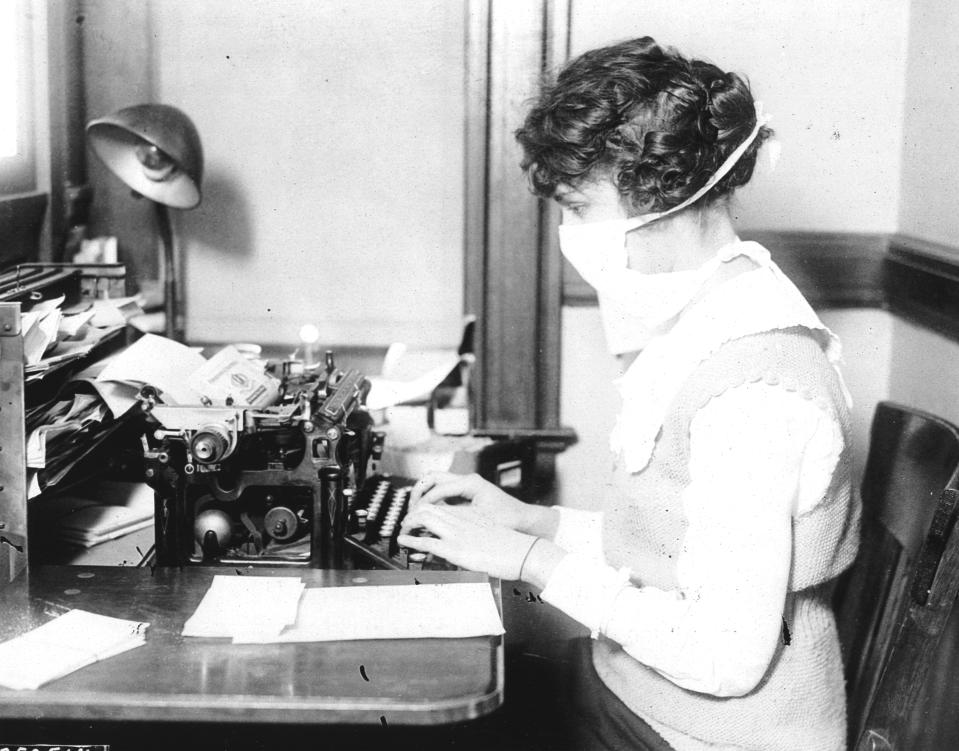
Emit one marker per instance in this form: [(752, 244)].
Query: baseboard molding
[(910, 277)]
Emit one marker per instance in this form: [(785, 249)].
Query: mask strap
[(719, 174)]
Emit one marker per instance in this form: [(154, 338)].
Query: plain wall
[(333, 194), (832, 74), (923, 370), (117, 71), (930, 172)]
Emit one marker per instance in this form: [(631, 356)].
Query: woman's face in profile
[(600, 201), (593, 201)]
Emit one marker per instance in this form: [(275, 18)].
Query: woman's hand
[(485, 499), (468, 538)]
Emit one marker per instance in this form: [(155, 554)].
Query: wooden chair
[(893, 604)]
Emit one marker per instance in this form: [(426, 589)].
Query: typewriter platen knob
[(211, 444)]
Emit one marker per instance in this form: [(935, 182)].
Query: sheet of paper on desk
[(455, 610), (73, 640), (249, 608)]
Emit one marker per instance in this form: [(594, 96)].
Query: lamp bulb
[(309, 334), (157, 164)]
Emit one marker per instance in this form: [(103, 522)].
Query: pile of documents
[(99, 511), (67, 643), (64, 430), (267, 609), (54, 336), (67, 426)]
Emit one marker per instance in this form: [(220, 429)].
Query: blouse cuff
[(580, 531), (585, 589)]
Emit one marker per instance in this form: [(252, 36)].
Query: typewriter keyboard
[(376, 512)]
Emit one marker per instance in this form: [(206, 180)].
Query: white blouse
[(759, 455)]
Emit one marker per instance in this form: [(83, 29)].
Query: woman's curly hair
[(658, 124)]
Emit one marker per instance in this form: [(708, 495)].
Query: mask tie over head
[(635, 305), (724, 168)]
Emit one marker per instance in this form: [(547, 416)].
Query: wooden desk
[(177, 679)]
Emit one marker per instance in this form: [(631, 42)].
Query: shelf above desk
[(177, 679)]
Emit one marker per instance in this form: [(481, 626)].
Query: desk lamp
[(155, 149)]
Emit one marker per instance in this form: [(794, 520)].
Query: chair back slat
[(872, 588), (892, 605)]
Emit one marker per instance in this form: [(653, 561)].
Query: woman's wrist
[(539, 521), (541, 561)]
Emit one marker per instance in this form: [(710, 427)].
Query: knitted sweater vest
[(800, 703)]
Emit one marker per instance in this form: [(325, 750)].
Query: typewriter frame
[(325, 430)]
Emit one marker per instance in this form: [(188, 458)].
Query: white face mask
[(635, 306)]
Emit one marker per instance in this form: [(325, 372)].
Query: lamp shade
[(153, 148)]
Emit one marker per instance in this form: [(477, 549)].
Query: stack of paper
[(72, 641), (246, 608), (96, 512), (56, 427), (54, 336), (118, 510), (95, 524), (449, 611), (270, 609)]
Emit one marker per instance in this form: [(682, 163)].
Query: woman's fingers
[(437, 488), (430, 518), (427, 483), (459, 487), (457, 530), (442, 521), (423, 544)]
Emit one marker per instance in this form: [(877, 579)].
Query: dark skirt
[(597, 720)]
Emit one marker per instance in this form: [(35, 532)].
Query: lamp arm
[(170, 302)]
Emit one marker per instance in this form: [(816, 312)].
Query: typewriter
[(294, 483), (270, 485)]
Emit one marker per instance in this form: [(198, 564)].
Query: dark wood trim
[(513, 272), (69, 194), (556, 27), (912, 278), (513, 223), (832, 269), (21, 223), (922, 283), (475, 191)]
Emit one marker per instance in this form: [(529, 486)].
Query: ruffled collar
[(754, 302)]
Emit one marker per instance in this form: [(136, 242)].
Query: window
[(17, 170)]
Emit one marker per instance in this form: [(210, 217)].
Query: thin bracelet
[(526, 557)]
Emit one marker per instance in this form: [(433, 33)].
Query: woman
[(705, 579)]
